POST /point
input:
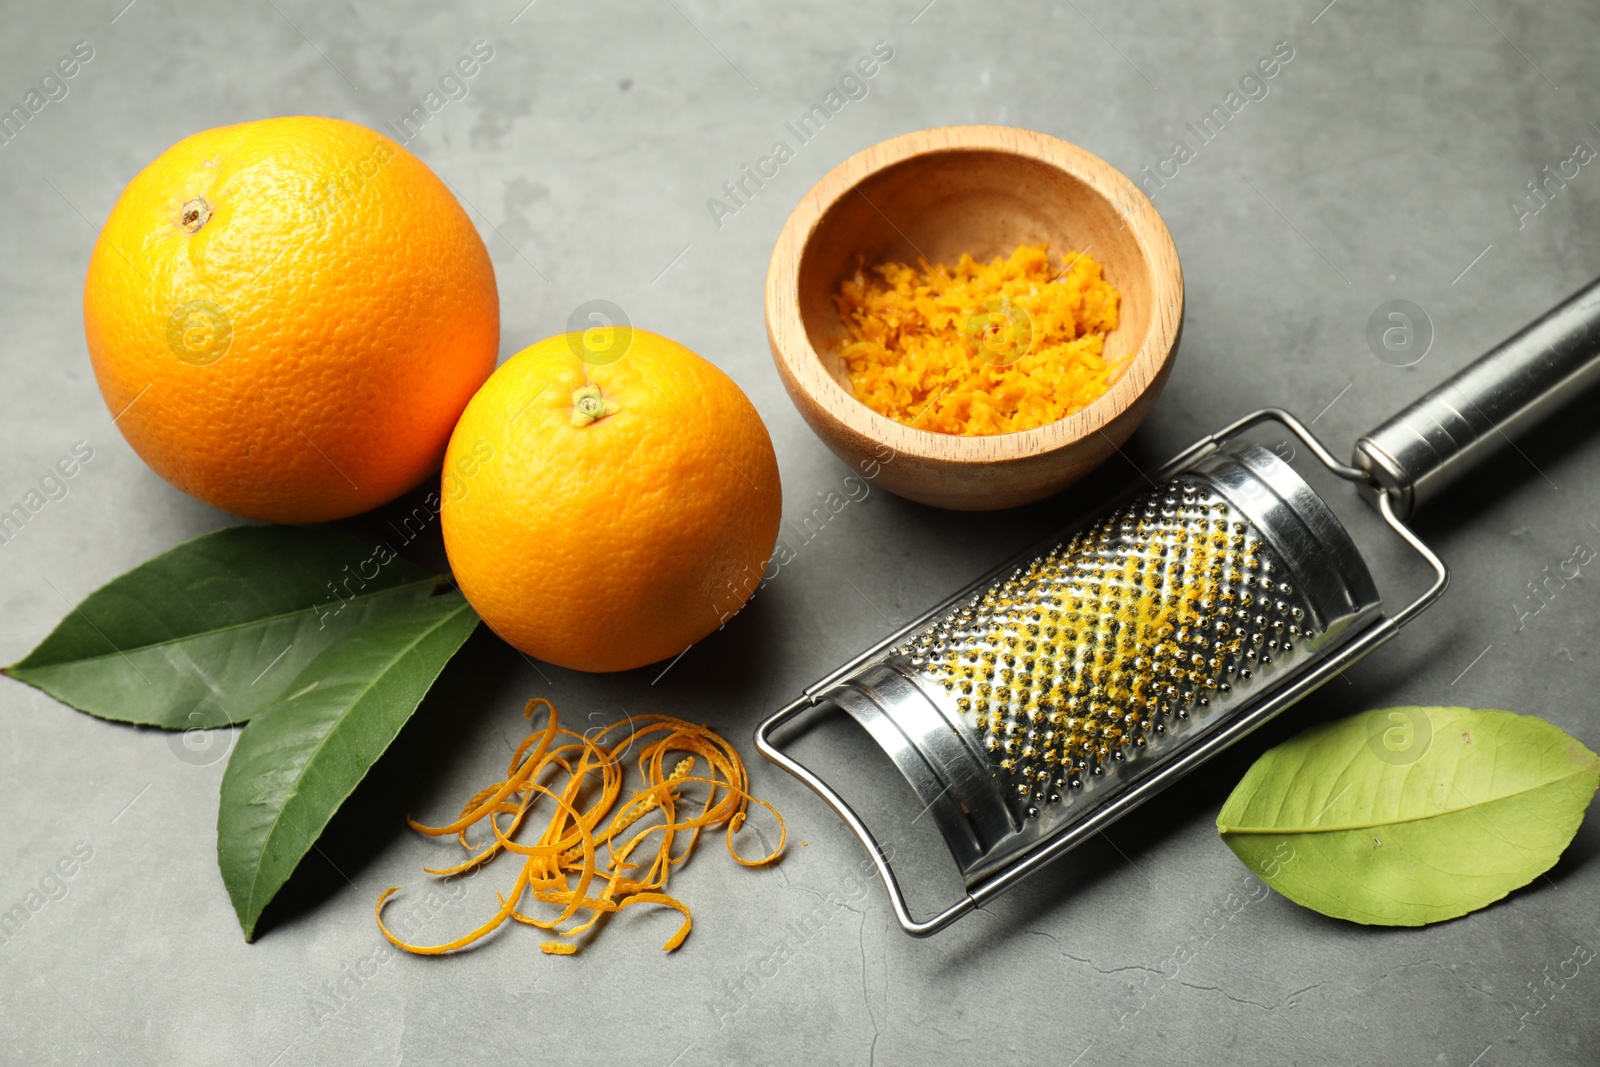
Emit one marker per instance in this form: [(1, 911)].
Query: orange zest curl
[(583, 860)]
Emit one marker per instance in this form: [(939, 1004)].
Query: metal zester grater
[(1057, 693)]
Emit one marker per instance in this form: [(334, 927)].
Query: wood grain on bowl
[(981, 190)]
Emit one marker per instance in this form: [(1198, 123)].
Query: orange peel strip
[(583, 777), (505, 789), (671, 902)]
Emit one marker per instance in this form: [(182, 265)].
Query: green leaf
[(1410, 815), (299, 759), (216, 629)]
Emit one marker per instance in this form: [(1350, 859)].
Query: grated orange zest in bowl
[(980, 348)]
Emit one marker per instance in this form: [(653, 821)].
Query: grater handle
[(1430, 444)]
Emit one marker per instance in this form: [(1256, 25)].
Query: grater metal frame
[(1380, 629)]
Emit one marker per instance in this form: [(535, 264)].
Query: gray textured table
[(1381, 164)]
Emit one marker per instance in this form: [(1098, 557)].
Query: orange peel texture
[(286, 317)]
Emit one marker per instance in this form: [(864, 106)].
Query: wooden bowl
[(982, 190)]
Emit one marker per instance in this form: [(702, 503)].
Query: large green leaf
[(1407, 816), (216, 629), (299, 759)]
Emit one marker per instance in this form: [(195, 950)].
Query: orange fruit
[(609, 498), (287, 316)]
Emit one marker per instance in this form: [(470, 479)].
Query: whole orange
[(287, 316), (609, 498)]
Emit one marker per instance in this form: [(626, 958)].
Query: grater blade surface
[(1054, 686)]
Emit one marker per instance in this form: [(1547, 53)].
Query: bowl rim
[(802, 365)]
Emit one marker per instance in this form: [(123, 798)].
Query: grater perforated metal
[(1050, 697)]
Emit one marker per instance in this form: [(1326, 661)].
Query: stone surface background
[(1380, 166)]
